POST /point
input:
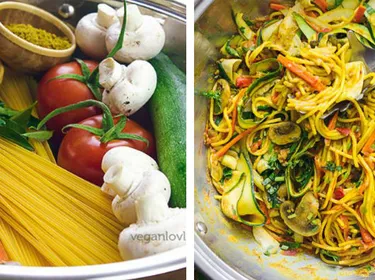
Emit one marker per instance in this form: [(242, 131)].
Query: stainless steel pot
[(169, 265), (223, 249)]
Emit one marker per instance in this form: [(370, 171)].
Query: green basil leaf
[(93, 130), (84, 68), (22, 118), (7, 112), (42, 136), (15, 126), (15, 137)]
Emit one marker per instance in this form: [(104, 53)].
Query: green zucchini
[(361, 30), (168, 112), (269, 29), (243, 28), (310, 33), (239, 203)]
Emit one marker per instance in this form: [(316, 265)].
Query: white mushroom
[(129, 157), (127, 89), (158, 229), (92, 29), (131, 174), (130, 186), (144, 36)]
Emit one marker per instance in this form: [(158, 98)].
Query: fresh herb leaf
[(218, 119), (368, 267), (264, 108), (211, 94), (331, 166), (330, 255), (15, 137), (227, 173), (39, 135)]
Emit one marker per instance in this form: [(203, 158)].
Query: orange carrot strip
[(277, 7), (359, 13), (333, 121), (322, 4), (303, 74), (227, 146), (318, 28), (345, 228), (366, 236), (264, 209), (367, 147)]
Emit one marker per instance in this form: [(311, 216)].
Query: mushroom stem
[(152, 208), (110, 72), (106, 15), (123, 183), (134, 17)]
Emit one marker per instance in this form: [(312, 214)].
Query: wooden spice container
[(22, 55)]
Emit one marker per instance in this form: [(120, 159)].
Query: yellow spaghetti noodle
[(65, 219)]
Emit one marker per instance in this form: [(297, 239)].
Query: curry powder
[(39, 37)]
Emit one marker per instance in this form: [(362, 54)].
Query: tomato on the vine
[(81, 152), (54, 93)]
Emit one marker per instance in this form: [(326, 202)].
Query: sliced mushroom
[(284, 133), (303, 219)]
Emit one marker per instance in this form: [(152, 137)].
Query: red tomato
[(339, 193), (291, 252), (54, 94), (81, 152), (343, 130), (243, 81)]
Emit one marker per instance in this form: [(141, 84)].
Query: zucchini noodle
[(292, 147)]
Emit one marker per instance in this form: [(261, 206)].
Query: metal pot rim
[(158, 264)]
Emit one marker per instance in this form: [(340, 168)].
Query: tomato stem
[(107, 123), (91, 80), (108, 132)]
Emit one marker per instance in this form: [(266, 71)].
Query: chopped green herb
[(368, 267), (264, 108), (310, 216), (267, 253), (280, 179), (227, 173), (330, 255), (284, 248), (218, 119), (290, 245), (242, 29), (211, 94)]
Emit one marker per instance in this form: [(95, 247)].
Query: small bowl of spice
[(33, 40)]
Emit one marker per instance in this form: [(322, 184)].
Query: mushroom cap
[(133, 91), (142, 44), (304, 222), (90, 37), (130, 158), (141, 240)]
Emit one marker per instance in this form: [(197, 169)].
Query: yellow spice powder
[(39, 37)]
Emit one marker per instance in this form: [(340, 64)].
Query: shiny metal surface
[(228, 251), (169, 265)]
